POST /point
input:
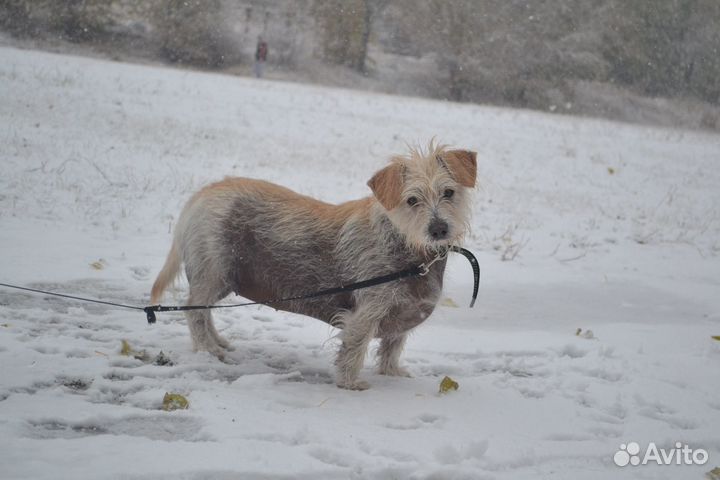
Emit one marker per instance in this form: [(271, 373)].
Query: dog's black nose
[(438, 229)]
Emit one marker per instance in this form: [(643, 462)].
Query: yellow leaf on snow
[(448, 302), (448, 384), (125, 349), (713, 474), (128, 351), (174, 401), (98, 264)]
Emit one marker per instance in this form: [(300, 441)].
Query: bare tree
[(343, 29), (191, 31), (455, 30), (74, 20)]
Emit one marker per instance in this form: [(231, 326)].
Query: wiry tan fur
[(263, 241)]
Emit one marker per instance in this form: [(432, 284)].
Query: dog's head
[(427, 195)]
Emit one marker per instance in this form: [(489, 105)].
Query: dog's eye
[(448, 193), (412, 201)]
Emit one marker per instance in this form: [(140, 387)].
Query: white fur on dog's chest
[(420, 300)]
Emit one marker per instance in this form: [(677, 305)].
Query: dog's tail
[(167, 275)]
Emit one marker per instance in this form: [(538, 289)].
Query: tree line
[(499, 51)]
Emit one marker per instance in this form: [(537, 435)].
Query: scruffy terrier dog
[(263, 241)]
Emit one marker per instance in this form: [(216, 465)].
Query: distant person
[(260, 57)]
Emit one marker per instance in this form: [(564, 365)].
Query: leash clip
[(150, 312), (425, 267)]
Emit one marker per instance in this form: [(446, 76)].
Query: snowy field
[(578, 224)]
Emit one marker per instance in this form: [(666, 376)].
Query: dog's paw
[(224, 343), (214, 349), (394, 372), (356, 385), (218, 352)]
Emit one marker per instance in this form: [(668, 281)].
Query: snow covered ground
[(578, 224)]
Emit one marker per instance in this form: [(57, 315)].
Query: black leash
[(419, 270), (82, 299), (475, 268), (410, 272)]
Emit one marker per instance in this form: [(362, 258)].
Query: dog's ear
[(386, 184), (462, 166)]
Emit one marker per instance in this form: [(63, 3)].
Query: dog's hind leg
[(222, 341), (389, 356), (202, 330)]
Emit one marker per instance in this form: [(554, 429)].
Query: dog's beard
[(424, 244), (438, 246)]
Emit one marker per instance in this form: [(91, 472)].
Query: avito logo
[(629, 454)]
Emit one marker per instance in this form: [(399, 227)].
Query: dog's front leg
[(359, 328), (389, 356)]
